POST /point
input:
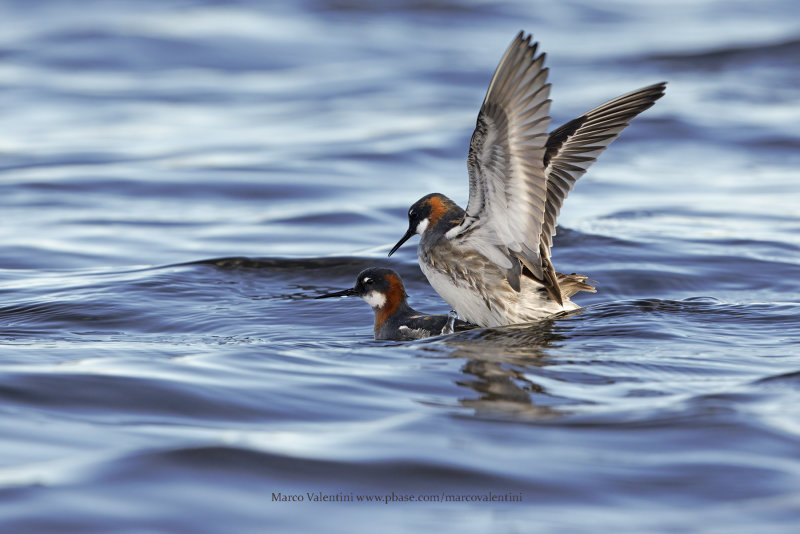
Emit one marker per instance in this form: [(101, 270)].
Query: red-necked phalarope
[(383, 290), (491, 263)]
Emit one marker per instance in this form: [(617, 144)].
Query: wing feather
[(508, 188), (573, 147)]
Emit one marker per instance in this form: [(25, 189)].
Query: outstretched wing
[(573, 147), (507, 180)]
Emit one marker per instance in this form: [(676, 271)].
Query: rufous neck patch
[(395, 295), (438, 209)]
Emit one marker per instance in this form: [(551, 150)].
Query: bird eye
[(368, 281), (410, 213)]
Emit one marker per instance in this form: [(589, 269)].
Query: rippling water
[(177, 178)]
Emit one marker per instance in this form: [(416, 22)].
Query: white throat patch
[(423, 225), (375, 299)]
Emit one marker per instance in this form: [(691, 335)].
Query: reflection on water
[(498, 359)]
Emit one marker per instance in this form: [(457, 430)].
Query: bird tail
[(572, 283)]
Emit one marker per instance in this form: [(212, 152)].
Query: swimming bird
[(491, 262), (383, 290)]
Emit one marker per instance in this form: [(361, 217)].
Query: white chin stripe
[(375, 299), (422, 226)]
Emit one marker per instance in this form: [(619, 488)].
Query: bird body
[(479, 290)]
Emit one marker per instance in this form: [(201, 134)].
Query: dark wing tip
[(653, 92)]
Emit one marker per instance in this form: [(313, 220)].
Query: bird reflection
[(498, 361)]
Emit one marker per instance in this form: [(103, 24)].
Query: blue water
[(177, 178)]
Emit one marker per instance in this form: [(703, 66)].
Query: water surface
[(177, 178)]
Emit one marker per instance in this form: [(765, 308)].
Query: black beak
[(344, 293), (409, 234)]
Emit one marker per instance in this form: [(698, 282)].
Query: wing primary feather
[(573, 147)]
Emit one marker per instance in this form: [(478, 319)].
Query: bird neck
[(447, 218), (395, 306)]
